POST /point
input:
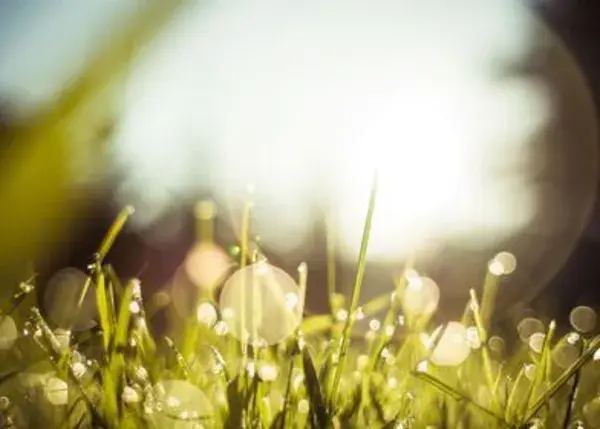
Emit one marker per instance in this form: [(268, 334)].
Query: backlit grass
[(401, 372)]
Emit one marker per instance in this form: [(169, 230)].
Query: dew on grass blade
[(341, 315), (453, 348), (79, 369), (504, 263), (206, 314), (57, 391), (221, 328), (130, 395), (62, 295), (583, 319), (259, 298), (573, 338), (529, 371), (374, 325), (8, 332), (134, 307), (473, 339), (268, 372)]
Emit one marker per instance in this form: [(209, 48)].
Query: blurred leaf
[(318, 408)]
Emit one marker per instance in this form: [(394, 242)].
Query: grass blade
[(315, 394)]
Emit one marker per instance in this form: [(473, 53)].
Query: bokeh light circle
[(184, 406), (257, 306), (565, 354), (8, 332), (207, 264), (591, 412), (421, 296), (583, 319), (453, 347), (497, 345), (62, 295), (536, 341), (529, 326), (57, 391)]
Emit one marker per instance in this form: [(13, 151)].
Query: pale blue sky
[(44, 43)]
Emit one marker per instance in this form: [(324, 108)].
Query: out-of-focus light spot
[(291, 299), (359, 314), (422, 366), (160, 299), (257, 296), (251, 368), (207, 264), (473, 339), (564, 354), (374, 325), (206, 314), (583, 319), (361, 362), (62, 295), (8, 332), (303, 406), (79, 369), (573, 338), (591, 412), (389, 330), (57, 391), (495, 268), (4, 403), (179, 397), (130, 395), (422, 298), (529, 326), (536, 341), (414, 280), (392, 382), (268, 372), (453, 348), (221, 328), (227, 313), (341, 315)]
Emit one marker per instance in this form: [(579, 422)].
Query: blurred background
[(161, 104)]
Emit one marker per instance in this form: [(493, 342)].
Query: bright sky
[(303, 100)]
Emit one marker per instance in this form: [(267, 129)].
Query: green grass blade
[(315, 394)]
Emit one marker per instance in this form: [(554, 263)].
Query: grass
[(122, 375)]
